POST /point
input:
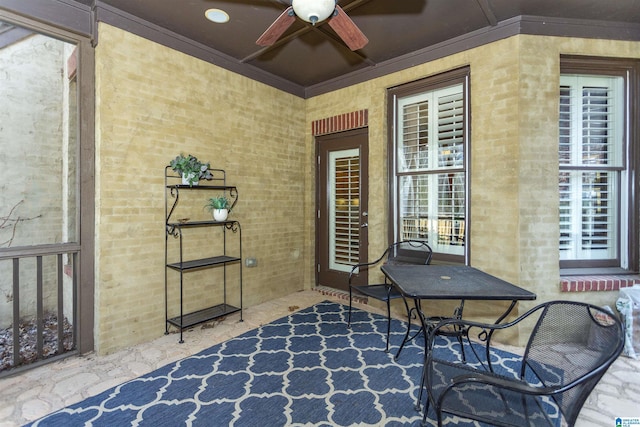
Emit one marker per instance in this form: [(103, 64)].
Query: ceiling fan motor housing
[(313, 11)]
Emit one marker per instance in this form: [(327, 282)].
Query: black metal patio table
[(451, 282)]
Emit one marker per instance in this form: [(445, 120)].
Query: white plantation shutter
[(344, 211), (591, 166), (451, 129), (431, 176), (413, 145)]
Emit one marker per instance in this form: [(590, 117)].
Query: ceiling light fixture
[(313, 11), (216, 15)]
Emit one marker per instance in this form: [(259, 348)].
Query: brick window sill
[(595, 283)]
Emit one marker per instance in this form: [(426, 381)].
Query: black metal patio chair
[(569, 348), (404, 252)]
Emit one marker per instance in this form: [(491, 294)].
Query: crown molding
[(524, 24), (68, 15)]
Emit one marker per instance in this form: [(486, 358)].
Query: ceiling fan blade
[(278, 28), (347, 30)]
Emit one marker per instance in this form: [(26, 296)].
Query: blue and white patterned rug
[(305, 369)]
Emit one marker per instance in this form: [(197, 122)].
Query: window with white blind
[(596, 214), (344, 212), (430, 168)]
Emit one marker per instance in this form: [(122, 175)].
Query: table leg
[(406, 338), (424, 329)]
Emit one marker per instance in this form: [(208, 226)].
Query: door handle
[(364, 225)]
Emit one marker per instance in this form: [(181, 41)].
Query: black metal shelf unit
[(176, 227)]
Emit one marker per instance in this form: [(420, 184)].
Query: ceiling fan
[(315, 11)]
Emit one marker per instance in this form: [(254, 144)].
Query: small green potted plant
[(219, 206), (190, 169)]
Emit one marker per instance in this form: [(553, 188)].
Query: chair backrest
[(571, 347), (409, 252)]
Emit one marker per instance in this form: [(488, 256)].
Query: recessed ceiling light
[(217, 15)]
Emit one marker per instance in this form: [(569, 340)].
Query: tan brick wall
[(514, 200), (153, 103)]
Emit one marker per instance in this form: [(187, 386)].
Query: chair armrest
[(486, 328), (467, 325), (482, 331), (366, 264)]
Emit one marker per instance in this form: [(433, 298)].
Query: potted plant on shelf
[(190, 169), (219, 207)]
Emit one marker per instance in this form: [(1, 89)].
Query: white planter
[(185, 178), (220, 214)]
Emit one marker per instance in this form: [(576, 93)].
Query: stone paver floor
[(30, 395)]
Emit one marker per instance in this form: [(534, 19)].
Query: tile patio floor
[(33, 394)]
